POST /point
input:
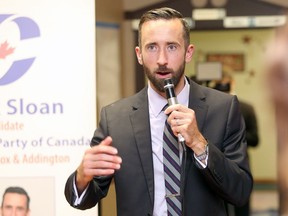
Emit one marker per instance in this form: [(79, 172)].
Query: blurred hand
[(277, 67)]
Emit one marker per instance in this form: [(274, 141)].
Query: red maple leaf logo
[(5, 50)]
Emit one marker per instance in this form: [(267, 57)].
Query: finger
[(172, 108), (175, 122), (96, 162), (181, 113), (98, 168), (107, 158), (113, 164), (100, 172), (104, 147), (107, 141)]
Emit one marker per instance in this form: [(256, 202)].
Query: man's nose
[(162, 57)]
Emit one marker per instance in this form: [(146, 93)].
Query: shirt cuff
[(202, 164), (78, 199)]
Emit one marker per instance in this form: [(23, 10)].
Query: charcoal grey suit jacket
[(226, 179)]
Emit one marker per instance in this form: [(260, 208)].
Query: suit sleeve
[(96, 190), (99, 186), (227, 171)]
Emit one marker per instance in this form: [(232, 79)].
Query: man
[(15, 202), (127, 145)]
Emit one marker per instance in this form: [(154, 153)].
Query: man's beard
[(159, 83)]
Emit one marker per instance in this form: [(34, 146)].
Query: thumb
[(107, 141)]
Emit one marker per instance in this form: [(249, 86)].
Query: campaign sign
[(47, 97)]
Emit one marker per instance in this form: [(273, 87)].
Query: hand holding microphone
[(195, 141), (172, 99)]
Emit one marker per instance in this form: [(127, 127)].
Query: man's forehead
[(158, 22), (164, 30), (14, 196)]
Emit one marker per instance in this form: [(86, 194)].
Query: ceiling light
[(208, 14), (254, 21)]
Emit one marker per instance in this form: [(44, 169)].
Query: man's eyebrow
[(151, 43)]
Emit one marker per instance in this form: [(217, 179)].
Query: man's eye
[(20, 209), (172, 47), (151, 48)]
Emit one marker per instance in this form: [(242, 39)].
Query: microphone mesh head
[(168, 83)]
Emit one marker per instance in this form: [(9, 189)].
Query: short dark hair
[(18, 190), (167, 14)]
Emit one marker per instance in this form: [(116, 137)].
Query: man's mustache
[(163, 69)]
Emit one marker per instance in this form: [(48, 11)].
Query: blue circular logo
[(28, 29)]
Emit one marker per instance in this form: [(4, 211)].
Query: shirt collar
[(157, 102)]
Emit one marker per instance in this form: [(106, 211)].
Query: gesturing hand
[(99, 160)]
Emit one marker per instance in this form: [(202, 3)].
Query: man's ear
[(139, 55), (189, 53)]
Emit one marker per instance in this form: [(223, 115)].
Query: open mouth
[(163, 73)]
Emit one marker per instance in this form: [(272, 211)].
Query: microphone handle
[(172, 101)]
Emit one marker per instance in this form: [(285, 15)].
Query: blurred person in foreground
[(128, 144), (15, 202), (227, 84), (277, 81)]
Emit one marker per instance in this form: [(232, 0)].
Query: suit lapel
[(197, 102), (141, 128)]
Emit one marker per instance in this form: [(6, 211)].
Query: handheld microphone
[(172, 99)]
